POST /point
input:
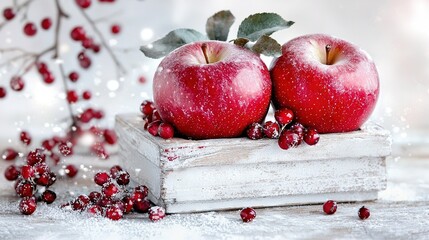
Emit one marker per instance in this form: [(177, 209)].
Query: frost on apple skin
[(320, 101), (227, 94)]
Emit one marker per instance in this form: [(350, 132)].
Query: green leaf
[(257, 25), (267, 46), (218, 25), (171, 41), (241, 41)]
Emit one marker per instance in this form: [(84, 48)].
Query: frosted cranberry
[(46, 23), (330, 207), (43, 179), (142, 79), (101, 178), (115, 170), (49, 196), (11, 173), (109, 190), (114, 213), (52, 178), (25, 138), (65, 149), (119, 204), (165, 131), (71, 170), (72, 96), (156, 213), (8, 14), (363, 213), (271, 129), (27, 205), (141, 206), (78, 33), (311, 136), (25, 188), (123, 178), (48, 144), (152, 128), (9, 154), (74, 76), (105, 201), (87, 43), (86, 95), (81, 202), (2, 92), (95, 210), (35, 156), (48, 78), (255, 131), (41, 168), (115, 29), (110, 136), (156, 116), (27, 172), (83, 3), (299, 129), (94, 196), (99, 150), (284, 116), (248, 214), (128, 204), (147, 108), (16, 83), (288, 139), (30, 29)]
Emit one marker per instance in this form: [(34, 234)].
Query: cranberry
[(78, 33), (123, 178), (95, 210), (48, 78), (71, 170), (101, 178), (87, 115), (139, 193), (147, 108), (65, 149), (110, 136), (8, 14), (43, 179), (255, 131), (98, 114), (109, 190), (298, 129), (42, 67), (27, 205), (271, 129), (55, 158), (95, 48), (16, 83), (74, 76), (364, 213), (11, 173), (41, 168), (165, 131), (81, 202), (248, 214), (284, 116), (84, 60), (156, 213), (94, 196), (141, 206), (46, 23), (142, 79), (72, 96), (86, 95), (49, 196), (25, 189), (25, 138), (311, 136), (52, 178), (48, 144), (114, 213), (156, 116), (83, 3), (115, 28), (100, 150), (2, 92), (128, 204), (152, 128), (105, 201), (330, 207), (35, 156), (9, 154), (119, 204), (30, 29), (87, 43), (27, 172), (288, 139), (115, 170)]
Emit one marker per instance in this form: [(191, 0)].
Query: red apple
[(330, 84), (212, 89)]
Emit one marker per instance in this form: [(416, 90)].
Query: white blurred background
[(395, 33)]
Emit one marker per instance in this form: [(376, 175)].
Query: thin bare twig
[(20, 7)]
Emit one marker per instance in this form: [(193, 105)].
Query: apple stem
[(328, 49), (204, 49)]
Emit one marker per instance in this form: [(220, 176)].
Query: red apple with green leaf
[(330, 84)]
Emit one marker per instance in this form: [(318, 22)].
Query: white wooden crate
[(217, 174)]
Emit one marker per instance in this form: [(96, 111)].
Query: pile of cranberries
[(289, 134), (153, 122), (115, 197)]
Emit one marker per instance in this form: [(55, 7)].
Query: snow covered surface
[(401, 212)]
